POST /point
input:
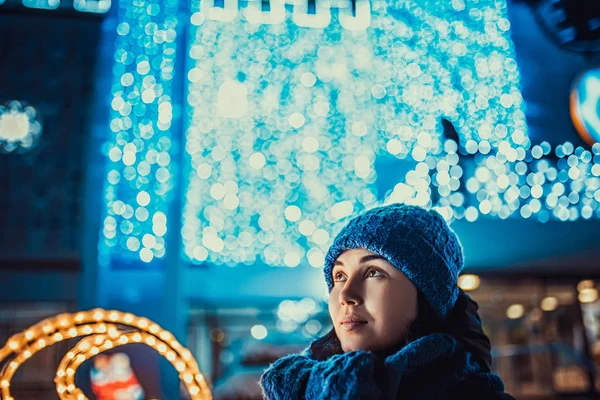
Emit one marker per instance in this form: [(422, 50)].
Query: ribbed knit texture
[(416, 241), (433, 367)]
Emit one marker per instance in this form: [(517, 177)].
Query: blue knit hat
[(416, 241)]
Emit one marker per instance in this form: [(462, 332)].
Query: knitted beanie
[(416, 241)]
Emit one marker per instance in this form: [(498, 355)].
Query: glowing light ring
[(29, 351), (65, 383), (68, 367), (100, 326)]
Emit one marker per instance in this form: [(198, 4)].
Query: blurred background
[(191, 161)]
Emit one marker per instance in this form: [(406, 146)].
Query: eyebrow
[(364, 259)]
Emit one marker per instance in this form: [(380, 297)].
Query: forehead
[(356, 256), (359, 252)]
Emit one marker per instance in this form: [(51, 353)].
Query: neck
[(388, 351)]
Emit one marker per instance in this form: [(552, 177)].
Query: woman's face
[(371, 303)]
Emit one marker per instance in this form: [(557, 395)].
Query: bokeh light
[(140, 170), (515, 311), (539, 183), (259, 332), (585, 284), (20, 127), (92, 6), (549, 303), (588, 295), (293, 315), (288, 111), (42, 4), (585, 109), (468, 282)]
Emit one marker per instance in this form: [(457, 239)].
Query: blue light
[(20, 127), (289, 109), (543, 188), (92, 6), (43, 4), (585, 107), (140, 178)]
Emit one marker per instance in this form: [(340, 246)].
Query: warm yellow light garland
[(103, 330)]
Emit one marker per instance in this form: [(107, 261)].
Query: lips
[(350, 324)]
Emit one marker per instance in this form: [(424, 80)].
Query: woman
[(402, 329)]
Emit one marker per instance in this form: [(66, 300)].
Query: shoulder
[(287, 377), (454, 376), (291, 362)]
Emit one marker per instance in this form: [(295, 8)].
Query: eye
[(374, 273), (338, 277)]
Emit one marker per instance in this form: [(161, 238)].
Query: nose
[(351, 293)]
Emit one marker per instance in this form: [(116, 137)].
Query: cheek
[(392, 309), (333, 305), (378, 305)]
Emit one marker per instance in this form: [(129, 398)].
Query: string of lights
[(140, 170), (544, 183), (103, 330), (288, 113), (98, 7)]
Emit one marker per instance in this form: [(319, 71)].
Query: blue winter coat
[(436, 366)]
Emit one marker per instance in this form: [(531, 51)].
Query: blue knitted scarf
[(436, 366)]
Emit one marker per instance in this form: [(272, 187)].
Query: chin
[(355, 345)]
